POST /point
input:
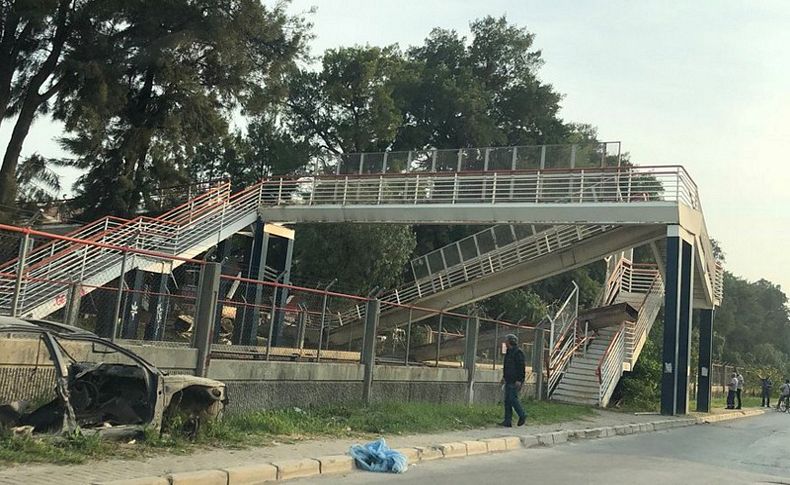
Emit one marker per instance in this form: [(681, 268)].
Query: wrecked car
[(90, 383)]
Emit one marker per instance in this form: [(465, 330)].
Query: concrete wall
[(26, 372), (254, 385)]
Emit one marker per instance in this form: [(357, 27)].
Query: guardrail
[(567, 186), (610, 366), (528, 157)]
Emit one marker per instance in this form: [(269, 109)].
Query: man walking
[(513, 378), (739, 391), (732, 387), (767, 386)]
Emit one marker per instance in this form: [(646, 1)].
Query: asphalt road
[(750, 450)]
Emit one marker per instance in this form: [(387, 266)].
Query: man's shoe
[(521, 421), (505, 425)]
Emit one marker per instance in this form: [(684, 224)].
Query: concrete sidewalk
[(106, 471)]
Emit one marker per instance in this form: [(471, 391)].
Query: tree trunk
[(12, 153)]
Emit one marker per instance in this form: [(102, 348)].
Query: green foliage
[(640, 389), (360, 256), (752, 326), (151, 86), (263, 427)]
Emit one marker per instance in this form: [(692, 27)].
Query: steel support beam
[(203, 330), (282, 299), (677, 323), (705, 360), (131, 320), (373, 308), (470, 356), (684, 326), (155, 330), (245, 334)]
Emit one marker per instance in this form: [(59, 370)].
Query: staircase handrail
[(610, 365)]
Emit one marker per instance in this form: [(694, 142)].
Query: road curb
[(337, 464)]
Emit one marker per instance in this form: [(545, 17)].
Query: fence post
[(16, 299), (439, 338), (118, 299), (537, 361), (203, 330), (470, 356), (369, 349), (302, 322), (408, 339), (73, 304)]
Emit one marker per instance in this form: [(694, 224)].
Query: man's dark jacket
[(514, 365)]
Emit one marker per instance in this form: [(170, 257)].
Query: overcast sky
[(702, 84)]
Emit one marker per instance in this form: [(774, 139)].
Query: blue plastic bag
[(378, 457)]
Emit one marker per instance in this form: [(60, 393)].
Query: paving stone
[(546, 439), (453, 450), (476, 447), (251, 474), (287, 469), (336, 464), (411, 454), (530, 441), (137, 481), (429, 453), (494, 445), (202, 477), (512, 442)]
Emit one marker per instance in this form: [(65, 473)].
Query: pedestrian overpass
[(580, 210)]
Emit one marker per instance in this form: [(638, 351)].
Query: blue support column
[(155, 330), (684, 326), (221, 255), (282, 298), (131, 320), (245, 334), (705, 360), (671, 321)]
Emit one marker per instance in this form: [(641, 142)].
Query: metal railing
[(631, 185), (531, 157), (500, 259), (610, 366), (565, 338), (182, 231)]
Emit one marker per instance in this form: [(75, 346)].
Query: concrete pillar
[(302, 322), (73, 301), (537, 361), (704, 370), (158, 306), (203, 330), (134, 298), (684, 326), (470, 356), (283, 293), (372, 310)]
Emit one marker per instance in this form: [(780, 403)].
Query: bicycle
[(783, 407)]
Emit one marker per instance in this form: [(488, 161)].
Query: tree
[(348, 106), (360, 256), (170, 75), (36, 40)]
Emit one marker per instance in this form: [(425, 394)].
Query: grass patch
[(721, 402), (294, 424)]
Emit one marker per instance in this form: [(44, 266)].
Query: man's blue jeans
[(511, 403)]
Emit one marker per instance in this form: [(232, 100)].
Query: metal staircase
[(595, 369), (183, 232)]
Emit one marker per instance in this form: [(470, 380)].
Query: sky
[(703, 84)]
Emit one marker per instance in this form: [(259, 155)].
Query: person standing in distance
[(732, 387), (513, 375), (739, 391), (767, 386)]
